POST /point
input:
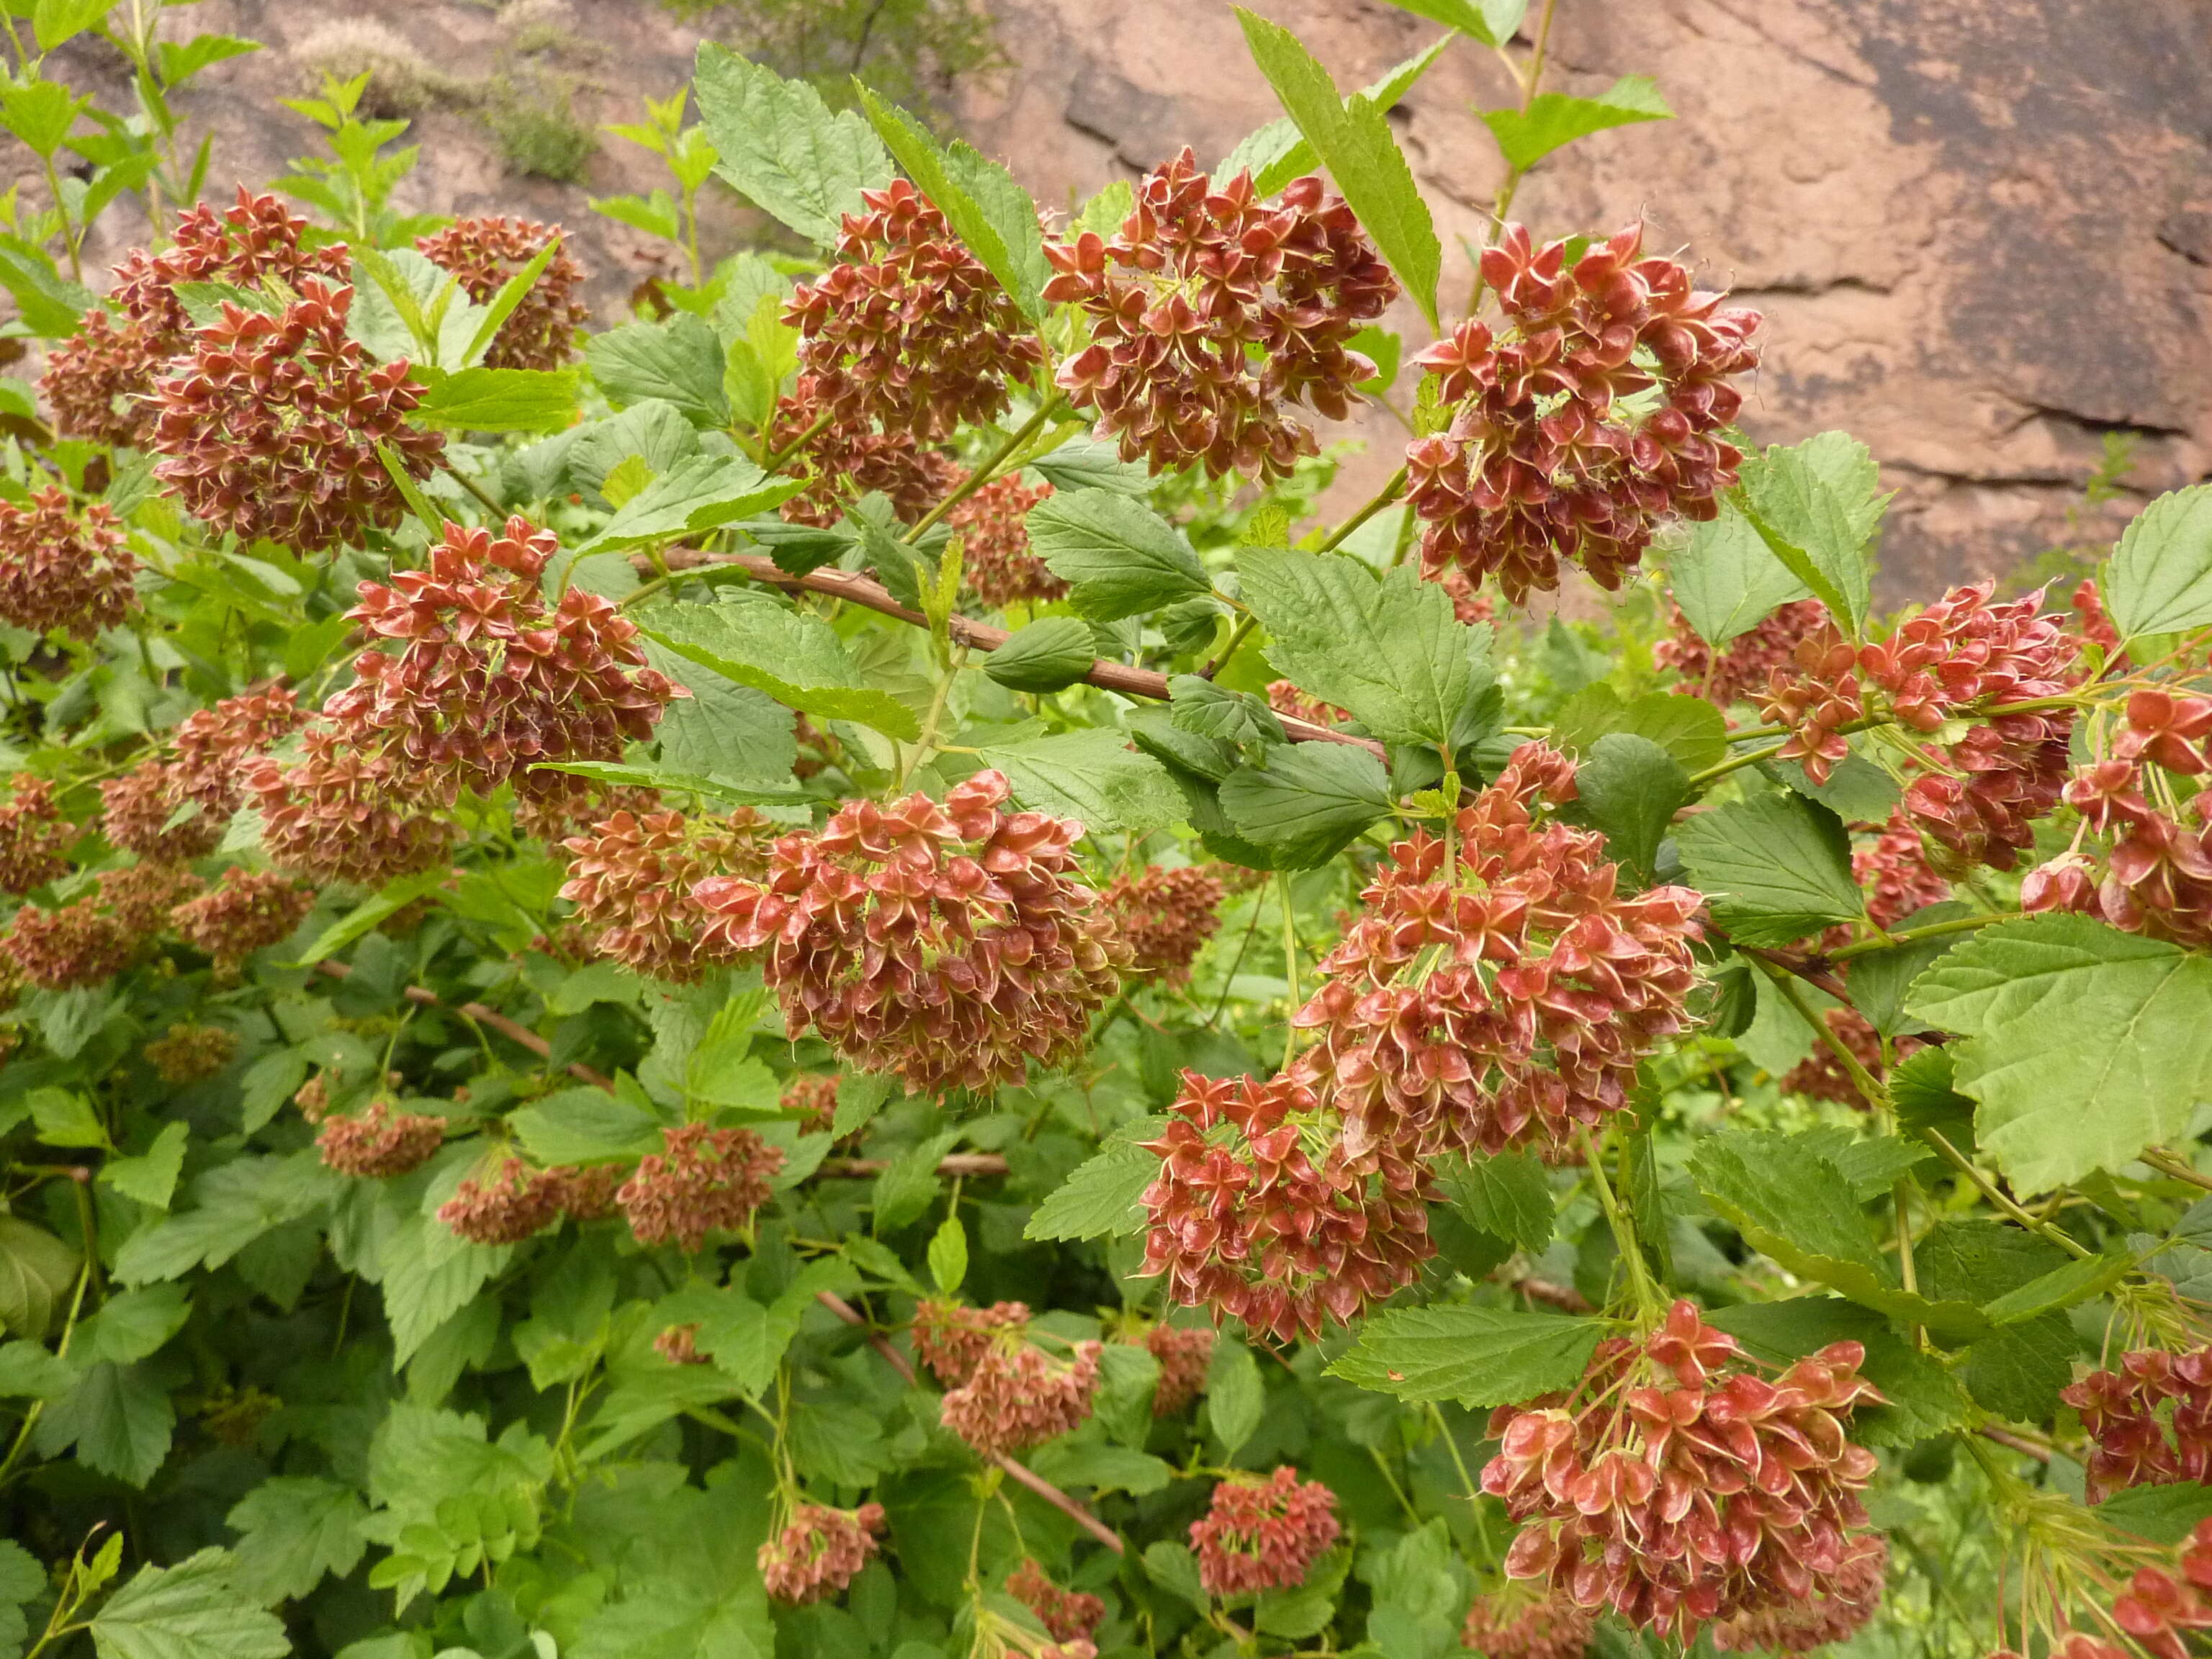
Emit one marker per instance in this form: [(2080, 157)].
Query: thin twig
[(953, 1163), (507, 1027), (1383, 498), (983, 474)]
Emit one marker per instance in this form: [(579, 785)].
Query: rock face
[(1981, 230)]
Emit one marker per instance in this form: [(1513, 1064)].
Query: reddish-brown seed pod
[(1017, 1395), (679, 1345), (188, 1053), (1516, 1623), (1214, 313), (136, 810), (819, 1552), (2151, 1420), (212, 744), (336, 814), (813, 1096), (77, 944), (540, 333), (1068, 1615), (142, 896), (948, 944), (1184, 1352), (995, 561), (504, 1206), (64, 572), (1835, 1611), (702, 1181), (1504, 999), (631, 882), (1165, 915), (1285, 698), (1263, 1534), (271, 426), (1586, 417), (1747, 664), (950, 1338), (380, 1142), (1815, 698), (247, 911), (587, 1192), (33, 836), (844, 460), (487, 680)]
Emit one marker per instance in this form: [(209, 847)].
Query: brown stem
[(500, 1022), (954, 1164)]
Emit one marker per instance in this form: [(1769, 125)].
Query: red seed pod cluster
[(702, 1181), (1068, 1615), (143, 897), (1584, 419), (1893, 869), (813, 1096), (2160, 1607), (247, 911), (33, 836), (909, 330), (1815, 697), (271, 426), (380, 1143), (1263, 1534), (819, 1552), (187, 1054), (1821, 1076), (1836, 1612), (213, 743), (78, 945), (1213, 313), (64, 572), (2157, 875), (1279, 1223), (1017, 1396), (1748, 661), (1285, 698), (100, 384), (484, 252), (951, 1337), (950, 945), (2090, 617), (2151, 1418), (1506, 1000), (1166, 916), (1513, 1623), (504, 1206), (1678, 1487), (588, 1191), (995, 561), (1184, 1352), (136, 810), (846, 459), (337, 814), (631, 881), (488, 680), (1468, 605)]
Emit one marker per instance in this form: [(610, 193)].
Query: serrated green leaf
[(150, 1177), (796, 659), (1774, 868), (1049, 655), (36, 1272), (1689, 728), (1308, 802), (117, 1418), (197, 1609), (1119, 557), (1490, 21), (699, 493), (1091, 775), (500, 400), (1815, 506), (1100, 1197), (2164, 1514), (1630, 789), (990, 213), (1198, 706), (1725, 580), (1506, 1194), (132, 1324), (1235, 1398), (1278, 153), (782, 148), (1555, 118), (1476, 1356), (948, 1256), (2159, 579), (678, 362), (294, 1530)]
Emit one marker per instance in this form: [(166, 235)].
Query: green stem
[(1907, 1272), (774, 462), (983, 475), (474, 489), (1958, 1161), (1649, 1303), (38, 1406), (1237, 636), (1390, 491), (1794, 994), (1908, 935), (1290, 966), (1735, 763), (926, 745), (2165, 1164)]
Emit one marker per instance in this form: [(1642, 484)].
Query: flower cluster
[(1835, 1611), (488, 681), (631, 882), (950, 945), (679, 1345), (247, 911), (1748, 661), (2151, 1418), (2155, 1613), (702, 1181), (380, 1143), (1068, 1615), (813, 1097), (99, 384), (1285, 698), (143, 897), (80, 944), (506, 1205), (995, 561), (1165, 915), (33, 836), (1822, 1076), (908, 329), (62, 572), (189, 1054), (484, 253), (1511, 1623), (1212, 313), (136, 811), (1504, 997), (1263, 1534), (337, 814), (1280, 1224), (1017, 1395), (1184, 1352), (1582, 420), (843, 459), (1894, 871), (819, 1552), (951, 1337), (271, 426), (2090, 615), (213, 743), (1678, 1487)]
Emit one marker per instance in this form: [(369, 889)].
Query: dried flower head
[(1184, 1352), (587, 1192), (504, 1206), (2151, 1420), (1166, 916), (62, 572), (212, 744), (1263, 1534), (80, 944), (842, 459), (702, 1181), (337, 814), (142, 895), (136, 809), (1017, 1396), (819, 1552), (247, 911), (1835, 1611), (1213, 313), (1516, 1623), (380, 1143), (1068, 1615), (950, 1338), (813, 1097), (1285, 698), (949, 944), (1582, 420), (34, 837), (995, 561), (1748, 661), (484, 252), (632, 880), (271, 426), (189, 1054)]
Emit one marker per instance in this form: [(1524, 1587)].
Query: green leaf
[(1090, 775), (181, 63), (839, 1443), (133, 1324), (909, 1186), (1174, 1569), (1353, 138), (1774, 868), (1554, 119), (54, 22), (236, 1203), (1490, 21), (65, 1118), (2018, 1372), (293, 1529), (1476, 1356), (36, 1272), (1630, 788), (948, 1256), (119, 1419), (2164, 1514), (699, 493), (2159, 579), (794, 658), (2060, 1289), (1119, 557), (428, 1274), (197, 1609), (1204, 709), (1309, 801), (1279, 152), (1506, 1194), (1128, 1379), (1725, 580), (151, 1177), (722, 729), (679, 362), (40, 114), (388, 900), (1102, 1467), (27, 1370), (1388, 651), (500, 400), (1050, 655), (1857, 791), (782, 148), (1235, 1398), (992, 216), (1086, 464), (1920, 1090), (1815, 507), (1881, 979), (2084, 1045), (1689, 728), (1099, 1198), (585, 1126)]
